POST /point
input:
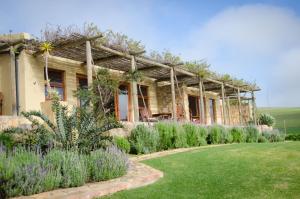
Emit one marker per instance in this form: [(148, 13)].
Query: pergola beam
[(70, 43)]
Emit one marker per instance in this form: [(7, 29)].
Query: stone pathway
[(138, 175)]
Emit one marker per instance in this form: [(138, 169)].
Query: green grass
[(270, 170), (290, 115)]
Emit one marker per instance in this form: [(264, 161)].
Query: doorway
[(123, 103), (194, 108)]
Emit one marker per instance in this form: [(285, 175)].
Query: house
[(170, 92)]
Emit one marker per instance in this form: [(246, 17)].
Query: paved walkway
[(138, 175)]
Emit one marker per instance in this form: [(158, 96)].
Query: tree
[(46, 47)]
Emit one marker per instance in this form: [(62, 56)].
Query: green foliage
[(214, 135), (143, 140), (7, 140), (294, 137), (79, 128), (179, 136), (266, 119), (165, 135), (122, 143), (262, 139), (274, 135), (238, 134), (196, 135), (107, 164), (25, 172), (226, 136), (201, 68), (252, 134), (71, 165)]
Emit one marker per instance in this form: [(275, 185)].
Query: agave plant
[(77, 128)]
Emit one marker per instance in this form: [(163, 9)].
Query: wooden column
[(134, 93), (13, 81), (89, 65), (228, 110), (174, 108), (201, 103), (239, 106), (223, 105), (253, 107)]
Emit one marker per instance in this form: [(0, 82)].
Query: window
[(56, 78), (82, 83)]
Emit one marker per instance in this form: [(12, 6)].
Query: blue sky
[(254, 40)]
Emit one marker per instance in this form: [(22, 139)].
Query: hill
[(291, 116)]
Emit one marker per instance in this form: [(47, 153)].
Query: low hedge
[(169, 135), (26, 172)]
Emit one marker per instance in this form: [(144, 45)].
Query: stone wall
[(13, 121)]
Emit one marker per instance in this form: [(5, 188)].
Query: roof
[(73, 47)]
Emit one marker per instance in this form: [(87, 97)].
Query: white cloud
[(254, 41)]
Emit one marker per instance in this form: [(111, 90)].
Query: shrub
[(165, 135), (21, 173), (252, 134), (274, 135), (266, 119), (71, 165), (295, 137), (262, 139), (179, 136), (192, 134), (122, 143), (214, 135), (107, 164), (226, 136), (238, 134), (143, 140)]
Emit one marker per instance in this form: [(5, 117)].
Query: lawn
[(290, 115), (270, 170)]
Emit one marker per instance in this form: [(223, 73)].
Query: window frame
[(56, 84)]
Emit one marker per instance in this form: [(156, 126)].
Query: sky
[(258, 41)]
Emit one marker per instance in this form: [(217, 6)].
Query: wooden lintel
[(179, 78), (105, 59), (70, 43)]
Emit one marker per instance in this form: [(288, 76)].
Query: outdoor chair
[(146, 115)]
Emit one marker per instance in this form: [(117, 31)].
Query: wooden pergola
[(90, 52)]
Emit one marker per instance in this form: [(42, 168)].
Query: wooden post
[(201, 103), (13, 81), (239, 106), (134, 93), (89, 65), (174, 108), (223, 105), (228, 110), (253, 107)]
